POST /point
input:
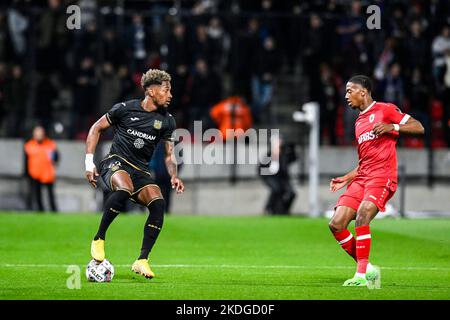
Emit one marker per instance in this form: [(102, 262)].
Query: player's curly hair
[(362, 80), (154, 76)]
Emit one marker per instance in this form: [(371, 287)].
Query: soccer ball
[(99, 271)]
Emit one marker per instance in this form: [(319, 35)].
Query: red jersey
[(377, 154)]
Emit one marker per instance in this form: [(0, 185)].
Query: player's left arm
[(411, 127), (395, 120), (172, 167)]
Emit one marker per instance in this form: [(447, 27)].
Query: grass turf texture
[(221, 258)]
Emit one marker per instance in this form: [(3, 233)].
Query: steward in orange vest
[(41, 155), (232, 113)]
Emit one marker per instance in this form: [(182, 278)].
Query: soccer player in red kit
[(374, 181)]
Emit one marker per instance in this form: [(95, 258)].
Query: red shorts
[(376, 190)]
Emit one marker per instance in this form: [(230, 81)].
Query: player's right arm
[(91, 144), (339, 182)]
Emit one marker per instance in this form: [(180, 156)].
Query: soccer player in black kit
[(139, 126)]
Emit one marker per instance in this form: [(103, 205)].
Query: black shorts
[(113, 164)]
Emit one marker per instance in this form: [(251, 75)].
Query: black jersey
[(137, 131)]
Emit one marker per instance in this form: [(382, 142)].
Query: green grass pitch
[(197, 257)]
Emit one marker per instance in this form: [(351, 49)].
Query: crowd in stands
[(65, 79)]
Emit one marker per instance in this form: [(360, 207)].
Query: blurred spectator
[(18, 24), (178, 105), (386, 58), (204, 89), (41, 155), (441, 44), (269, 24), (220, 43), (439, 10), (392, 87), (128, 88), (5, 43), (178, 50), (14, 104), (246, 44), (201, 46), (292, 42), (112, 48), (267, 64), (397, 23), (416, 13), (87, 43), (231, 113), (417, 48), (282, 193), (45, 100), (328, 101), (109, 88), (139, 42), (351, 24), (419, 94), (358, 56), (53, 38), (85, 98), (314, 53)]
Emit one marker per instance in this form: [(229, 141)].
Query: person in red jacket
[(41, 155)]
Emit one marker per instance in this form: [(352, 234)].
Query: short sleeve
[(393, 114), (115, 113), (169, 132)]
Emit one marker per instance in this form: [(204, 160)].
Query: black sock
[(113, 206), (152, 226)]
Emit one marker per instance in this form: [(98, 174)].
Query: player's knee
[(363, 215), (117, 200), (127, 188), (335, 226)]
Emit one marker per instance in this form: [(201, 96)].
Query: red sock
[(347, 242), (362, 247)]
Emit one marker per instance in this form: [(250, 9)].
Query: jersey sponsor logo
[(134, 118), (138, 143), (141, 134), (372, 117), (366, 137), (157, 124)]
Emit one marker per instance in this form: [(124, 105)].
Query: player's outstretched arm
[(91, 144), (339, 182), (411, 127), (171, 165)]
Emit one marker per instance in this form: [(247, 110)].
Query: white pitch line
[(229, 266)]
